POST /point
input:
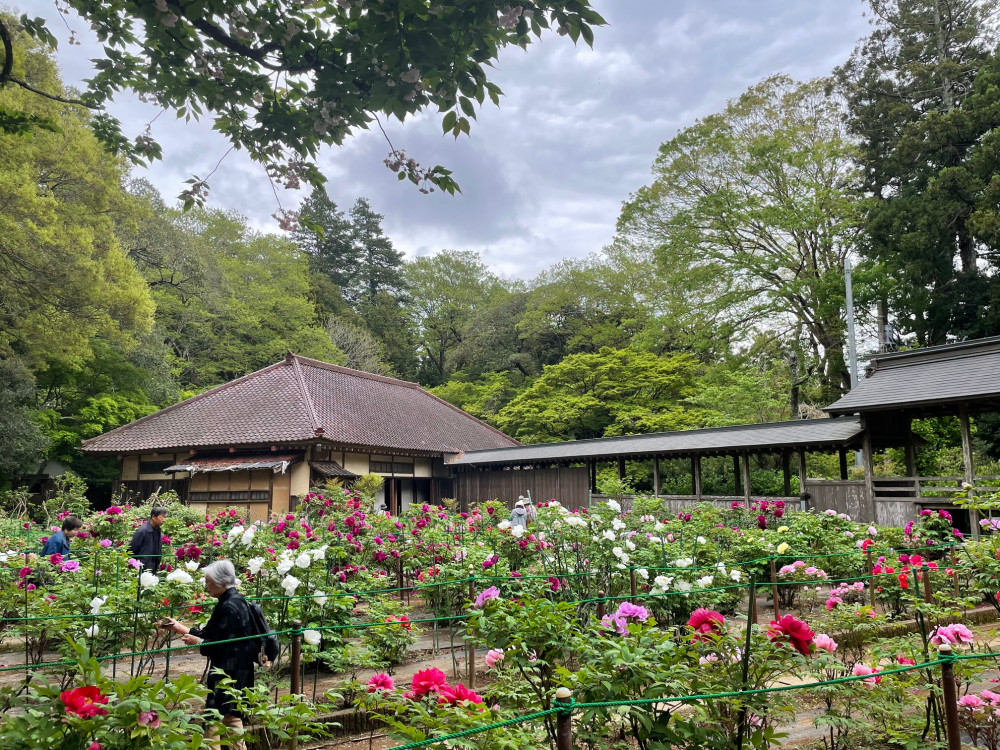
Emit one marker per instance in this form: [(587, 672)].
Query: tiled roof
[(966, 371), (331, 469), (302, 399), (802, 433)]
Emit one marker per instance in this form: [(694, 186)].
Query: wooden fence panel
[(569, 485)]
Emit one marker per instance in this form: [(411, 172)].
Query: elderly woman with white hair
[(230, 619)]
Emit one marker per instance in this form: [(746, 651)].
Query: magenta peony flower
[(489, 594), (792, 629), (381, 681)]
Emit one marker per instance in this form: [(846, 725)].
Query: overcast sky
[(544, 175)]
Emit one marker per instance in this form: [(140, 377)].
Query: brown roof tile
[(300, 399)]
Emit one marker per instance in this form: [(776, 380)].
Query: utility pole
[(852, 350)]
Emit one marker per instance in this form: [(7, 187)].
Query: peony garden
[(753, 625)]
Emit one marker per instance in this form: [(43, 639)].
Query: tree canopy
[(281, 78)]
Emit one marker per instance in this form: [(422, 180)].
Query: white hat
[(519, 504)]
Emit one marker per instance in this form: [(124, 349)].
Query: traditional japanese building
[(264, 439)]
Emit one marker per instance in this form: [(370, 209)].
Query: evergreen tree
[(326, 236), (379, 263), (908, 86)]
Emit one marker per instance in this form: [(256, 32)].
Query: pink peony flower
[(427, 681), (493, 656), (381, 681), (863, 669), (951, 634), (705, 621), (149, 719), (825, 643), (489, 594), (972, 702), (792, 629)]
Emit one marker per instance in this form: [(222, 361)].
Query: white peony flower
[(289, 584), (92, 630), (304, 560), (663, 583), (319, 597), (503, 525), (702, 540), (736, 575), (658, 526), (705, 581), (180, 576), (312, 637), (609, 535), (284, 566), (96, 603), (683, 586), (575, 521), (642, 573), (319, 553), (615, 506), (191, 565), (684, 562), (631, 545), (255, 564), (147, 580), (518, 532), (618, 552), (618, 524), (248, 535), (234, 534)]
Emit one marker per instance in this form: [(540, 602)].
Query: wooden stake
[(296, 666), (564, 719)]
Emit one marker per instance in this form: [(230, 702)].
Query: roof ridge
[(215, 389), (955, 348), (306, 395), (351, 371), (464, 413), (762, 425)]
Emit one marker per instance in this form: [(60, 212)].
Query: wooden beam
[(746, 477), (656, 476), (967, 462), (736, 473), (866, 457), (696, 474), (621, 467), (801, 455), (786, 471)]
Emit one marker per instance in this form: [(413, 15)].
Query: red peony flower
[(454, 693), (705, 621), (86, 701), (799, 635), (428, 681)]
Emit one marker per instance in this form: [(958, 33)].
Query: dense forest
[(720, 301)]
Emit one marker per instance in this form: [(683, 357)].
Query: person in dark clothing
[(230, 619), (58, 543), (147, 541)]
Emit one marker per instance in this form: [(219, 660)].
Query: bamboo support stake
[(871, 581), (774, 589), (296, 666), (631, 584)]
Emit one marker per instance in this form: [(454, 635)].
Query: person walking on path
[(58, 543), (147, 541), (230, 619), (519, 516)]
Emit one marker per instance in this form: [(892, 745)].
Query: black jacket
[(147, 546), (230, 619)]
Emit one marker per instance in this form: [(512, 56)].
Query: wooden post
[(593, 475), (950, 698), (631, 584), (621, 468), (774, 589), (954, 570), (656, 476), (399, 576), (696, 473), (471, 647), (928, 595), (842, 454), (752, 608), (801, 455), (736, 473), (600, 604), (296, 665), (786, 472), (872, 579), (866, 456), (746, 477), (967, 462), (564, 719)]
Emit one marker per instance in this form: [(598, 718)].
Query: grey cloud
[(543, 176)]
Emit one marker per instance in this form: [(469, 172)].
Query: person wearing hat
[(519, 516), (529, 507)]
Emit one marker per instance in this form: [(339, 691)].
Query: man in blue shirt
[(58, 543)]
